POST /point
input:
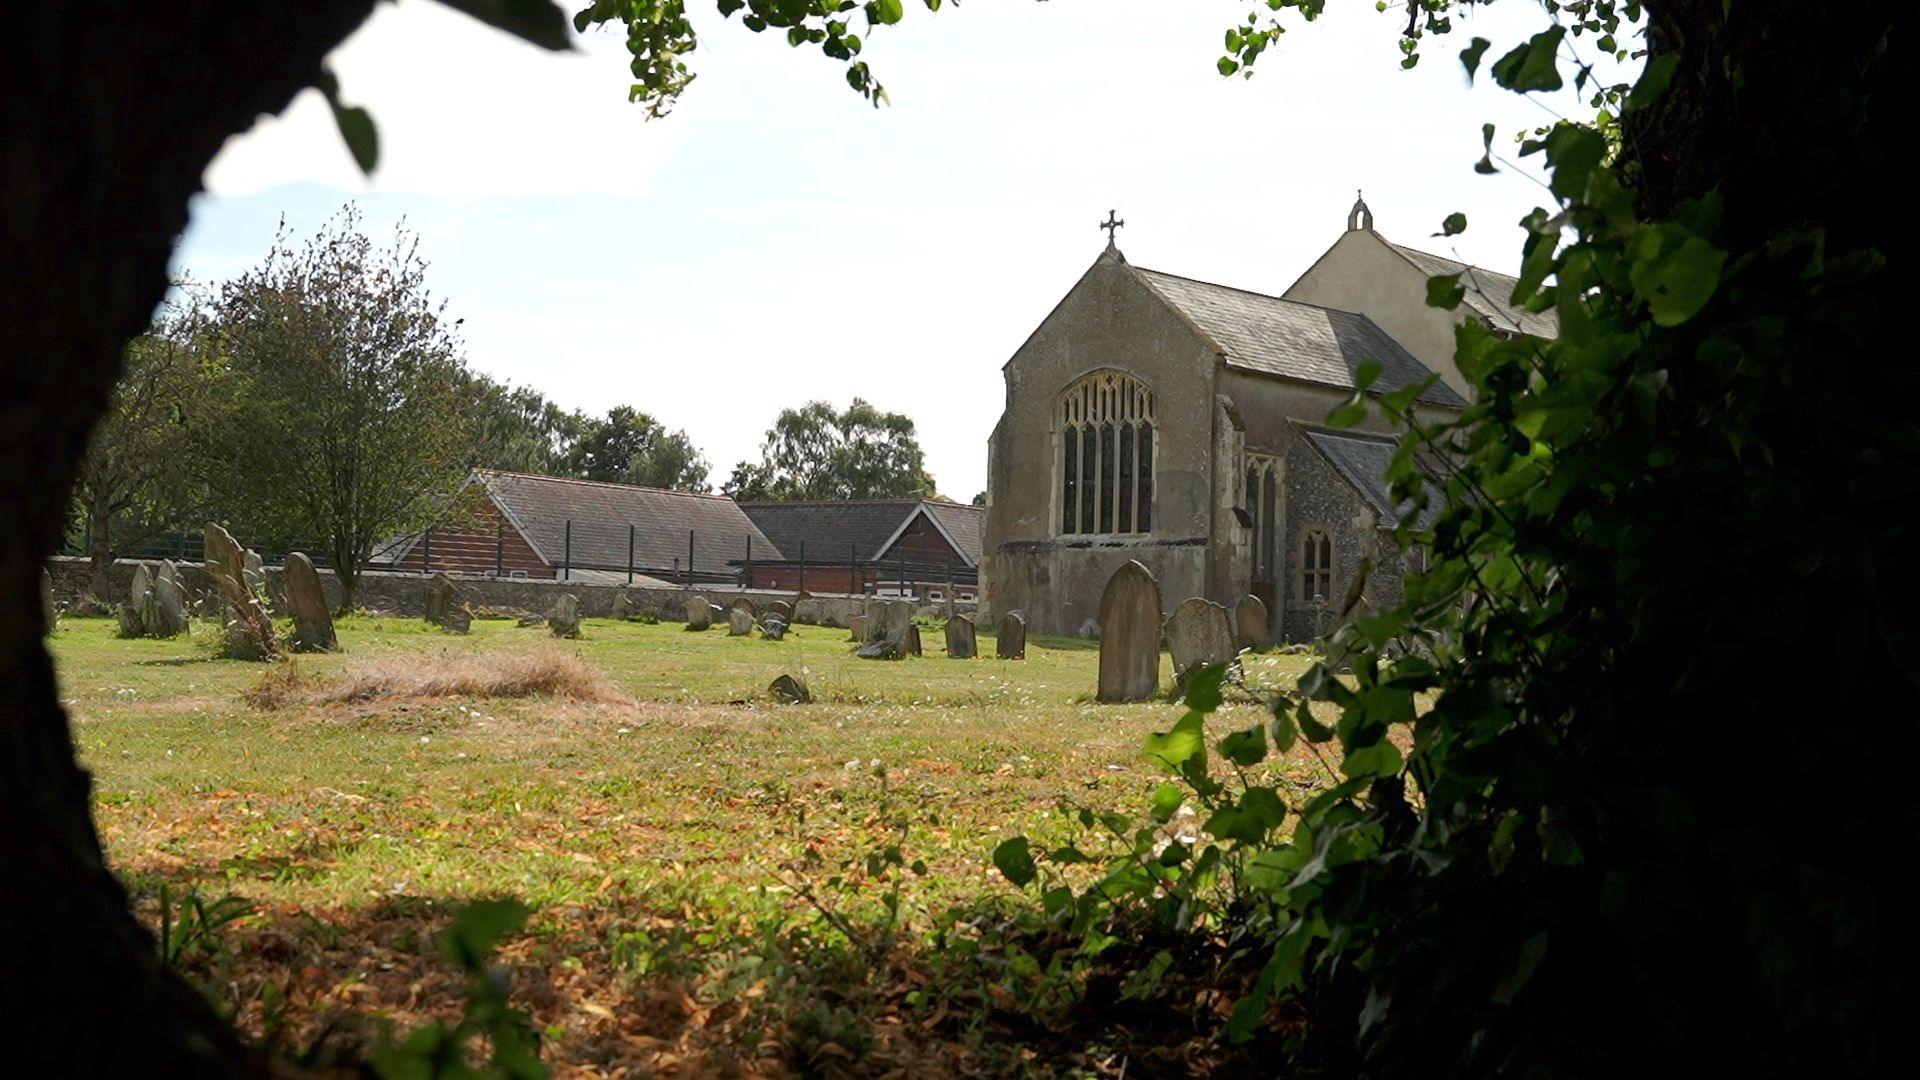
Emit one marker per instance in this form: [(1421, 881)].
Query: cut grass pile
[(526, 673)]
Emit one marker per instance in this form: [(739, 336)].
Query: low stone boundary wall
[(406, 594)]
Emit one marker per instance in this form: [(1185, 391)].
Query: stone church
[(1181, 423)]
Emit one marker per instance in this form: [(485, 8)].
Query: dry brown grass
[(540, 673)]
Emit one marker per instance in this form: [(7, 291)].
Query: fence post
[(903, 575), (499, 547), (853, 570), (803, 567), (747, 573), (689, 558), (426, 551), (566, 559), (629, 553)]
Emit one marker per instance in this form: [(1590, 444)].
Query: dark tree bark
[(113, 112)]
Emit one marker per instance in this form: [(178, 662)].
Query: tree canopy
[(817, 452)]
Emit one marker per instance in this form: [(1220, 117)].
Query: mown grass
[(694, 855)]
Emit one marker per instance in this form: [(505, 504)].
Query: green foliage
[(630, 447), (816, 452), (193, 930), (439, 1051)]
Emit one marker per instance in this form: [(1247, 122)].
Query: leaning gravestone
[(1010, 642), (739, 621), (912, 646), (249, 631), (857, 629), (782, 609), (312, 621), (622, 606), (699, 613), (564, 617), (746, 605), (169, 603), (1130, 635), (1250, 623), (1200, 633), (773, 628), (458, 619), (442, 595), (961, 643), (133, 613)]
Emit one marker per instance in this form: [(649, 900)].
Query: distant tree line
[(323, 398)]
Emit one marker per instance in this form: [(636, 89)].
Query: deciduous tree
[(816, 452)]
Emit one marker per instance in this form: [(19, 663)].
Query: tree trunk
[(100, 549), (111, 119)]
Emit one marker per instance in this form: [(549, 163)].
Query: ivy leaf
[(1532, 66), (1454, 225), (1245, 748), (1485, 165), (1314, 730), (1381, 759), (1249, 820), (478, 927), (1166, 801), (1470, 56), (1285, 731), (1523, 968), (884, 12), (1175, 748), (1445, 291), (1014, 859), (355, 124), (1653, 81), (1203, 688), (537, 22), (1674, 272)]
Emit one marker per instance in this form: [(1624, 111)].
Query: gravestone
[(622, 606), (169, 603), (48, 609), (912, 647), (782, 609), (746, 605), (441, 596), (739, 621), (790, 690), (808, 612), (857, 629), (1250, 624), (1199, 633), (699, 613), (564, 617), (879, 649), (133, 613), (773, 628), (961, 642), (1010, 642), (458, 619), (312, 621), (1130, 635), (249, 630)]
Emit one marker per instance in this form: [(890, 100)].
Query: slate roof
[(1275, 336), (1362, 460), (832, 528), (540, 507), (1489, 294)]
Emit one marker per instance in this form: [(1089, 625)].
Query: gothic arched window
[(1316, 566), (1106, 455)]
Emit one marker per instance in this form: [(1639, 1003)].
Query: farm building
[(893, 547)]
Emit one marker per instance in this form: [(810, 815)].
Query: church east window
[(1106, 460), (1316, 566)]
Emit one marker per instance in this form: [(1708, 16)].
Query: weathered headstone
[(442, 595), (739, 621), (458, 619), (48, 608), (1010, 641), (1250, 624), (169, 603), (808, 612), (133, 613), (622, 606), (699, 613), (249, 631), (857, 629), (746, 605), (1130, 635), (312, 621), (879, 649), (1199, 633), (912, 646), (782, 609), (564, 617), (773, 628), (961, 642), (790, 690)]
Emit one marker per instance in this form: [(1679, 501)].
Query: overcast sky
[(777, 240)]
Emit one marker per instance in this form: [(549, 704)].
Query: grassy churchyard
[(707, 868)]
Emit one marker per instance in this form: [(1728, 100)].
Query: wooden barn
[(889, 547), (519, 525)]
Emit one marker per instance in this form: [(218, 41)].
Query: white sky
[(777, 240)]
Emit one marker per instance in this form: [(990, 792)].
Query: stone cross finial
[(1359, 217), (1111, 224)]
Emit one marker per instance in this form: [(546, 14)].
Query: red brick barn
[(889, 547)]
